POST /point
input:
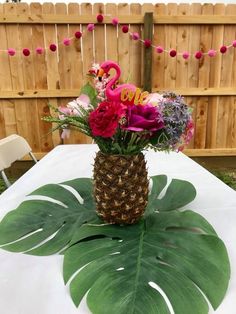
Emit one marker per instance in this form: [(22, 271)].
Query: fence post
[(147, 62)]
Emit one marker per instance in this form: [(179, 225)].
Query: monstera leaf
[(51, 218), (171, 258)]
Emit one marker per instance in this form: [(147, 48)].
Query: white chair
[(13, 148)]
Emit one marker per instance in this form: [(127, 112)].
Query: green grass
[(228, 177)]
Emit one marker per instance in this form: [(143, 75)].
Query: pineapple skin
[(120, 187)]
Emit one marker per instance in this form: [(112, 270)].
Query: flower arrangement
[(124, 121)]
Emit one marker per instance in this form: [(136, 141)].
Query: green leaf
[(53, 220), (89, 90), (178, 194), (178, 251)]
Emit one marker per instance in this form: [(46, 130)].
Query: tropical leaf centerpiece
[(171, 258)]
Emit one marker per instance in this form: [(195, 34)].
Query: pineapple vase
[(120, 187)]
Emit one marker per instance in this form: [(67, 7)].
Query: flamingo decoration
[(116, 94)]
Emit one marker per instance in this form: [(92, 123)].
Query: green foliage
[(177, 250)]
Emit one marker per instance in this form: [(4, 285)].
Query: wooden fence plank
[(135, 49), (214, 79), (182, 45), (111, 34), (159, 40), (76, 70), (170, 63), (99, 35), (52, 66), (123, 46)]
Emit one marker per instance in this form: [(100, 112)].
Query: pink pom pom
[(11, 52), (185, 55), (198, 55), (173, 53), (100, 18), (234, 43), (26, 52), (66, 41), (211, 53), (53, 47), (78, 34), (159, 49), (115, 21), (135, 36), (223, 49), (125, 28), (39, 50), (147, 43), (90, 27)]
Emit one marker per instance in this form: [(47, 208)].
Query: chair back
[(12, 148)]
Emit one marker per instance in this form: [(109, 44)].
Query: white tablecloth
[(34, 285)]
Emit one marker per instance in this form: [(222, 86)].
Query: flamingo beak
[(100, 74)]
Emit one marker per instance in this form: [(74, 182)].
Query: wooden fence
[(28, 84)]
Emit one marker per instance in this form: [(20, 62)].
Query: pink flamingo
[(115, 94)]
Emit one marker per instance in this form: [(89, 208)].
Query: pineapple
[(120, 187)]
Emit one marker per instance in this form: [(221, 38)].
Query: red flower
[(104, 120)]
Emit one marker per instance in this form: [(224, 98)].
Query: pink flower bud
[(66, 41), (53, 47), (100, 18), (198, 55), (26, 52), (185, 55), (211, 53), (234, 43), (78, 34), (223, 49), (159, 49), (11, 52), (90, 27), (115, 21), (173, 53), (135, 36)]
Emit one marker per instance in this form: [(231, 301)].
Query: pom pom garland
[(90, 27), (11, 52), (66, 41), (159, 49), (78, 34), (26, 52), (115, 21), (135, 36), (125, 29), (53, 47), (198, 55), (172, 53), (211, 53), (100, 18), (185, 55), (223, 49), (147, 43), (39, 50)]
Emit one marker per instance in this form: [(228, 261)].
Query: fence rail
[(27, 85)]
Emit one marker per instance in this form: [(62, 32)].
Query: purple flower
[(143, 118)]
